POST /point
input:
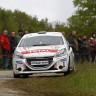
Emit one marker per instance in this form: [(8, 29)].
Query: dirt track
[(6, 74), (4, 90)]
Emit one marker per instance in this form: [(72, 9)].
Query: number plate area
[(39, 62)]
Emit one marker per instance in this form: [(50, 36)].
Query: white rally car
[(42, 52)]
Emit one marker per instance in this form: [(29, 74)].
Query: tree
[(7, 21), (62, 28), (12, 21), (84, 19)]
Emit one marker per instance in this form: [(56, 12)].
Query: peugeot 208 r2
[(42, 52)]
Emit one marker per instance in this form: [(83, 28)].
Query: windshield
[(41, 41)]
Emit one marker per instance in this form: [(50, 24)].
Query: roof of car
[(43, 34)]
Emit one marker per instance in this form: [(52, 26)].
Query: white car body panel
[(42, 54)]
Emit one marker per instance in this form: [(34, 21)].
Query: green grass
[(79, 83)]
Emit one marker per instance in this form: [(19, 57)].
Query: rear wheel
[(73, 68), (16, 76)]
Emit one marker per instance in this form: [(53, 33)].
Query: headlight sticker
[(19, 62), (63, 60)]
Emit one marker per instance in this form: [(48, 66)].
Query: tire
[(16, 76), (73, 69), (68, 71), (25, 76)]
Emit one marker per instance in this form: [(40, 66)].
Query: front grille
[(38, 66)]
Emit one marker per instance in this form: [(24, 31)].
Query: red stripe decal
[(39, 51)]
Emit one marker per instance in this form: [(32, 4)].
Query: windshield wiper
[(41, 45)]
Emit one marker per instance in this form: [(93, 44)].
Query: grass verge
[(79, 83)]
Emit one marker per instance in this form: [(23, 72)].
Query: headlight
[(61, 53), (18, 55)]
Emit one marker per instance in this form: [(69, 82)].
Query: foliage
[(13, 21), (84, 19), (61, 27)]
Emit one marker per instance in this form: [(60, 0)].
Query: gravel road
[(4, 90), (7, 75)]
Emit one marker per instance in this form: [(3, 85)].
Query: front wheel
[(16, 76), (25, 76)]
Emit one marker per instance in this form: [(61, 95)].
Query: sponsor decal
[(40, 50), (19, 62), (63, 60), (26, 52)]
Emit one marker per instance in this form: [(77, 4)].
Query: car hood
[(40, 51)]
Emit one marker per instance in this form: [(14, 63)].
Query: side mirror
[(70, 46)]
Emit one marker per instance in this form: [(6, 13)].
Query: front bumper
[(20, 66), (36, 72)]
